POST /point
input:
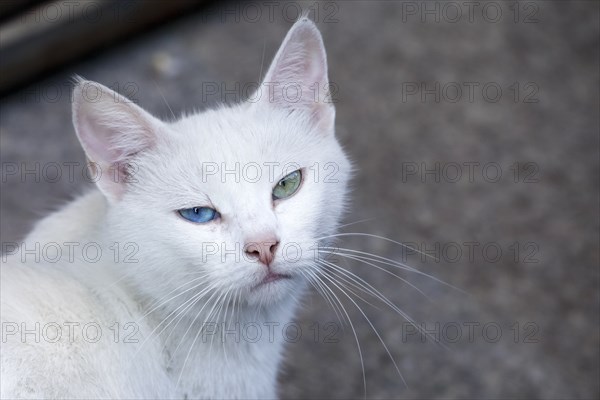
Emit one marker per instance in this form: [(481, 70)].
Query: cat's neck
[(78, 221), (244, 344)]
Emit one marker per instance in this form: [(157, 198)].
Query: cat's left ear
[(297, 78), (112, 130)]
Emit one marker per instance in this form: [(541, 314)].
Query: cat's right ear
[(297, 78), (111, 129)]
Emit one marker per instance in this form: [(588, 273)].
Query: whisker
[(165, 100), (185, 334), (225, 306), (359, 283), (393, 306), (372, 327), (351, 288), (390, 262), (194, 299), (378, 237), (347, 281), (174, 290), (181, 315), (387, 272), (262, 61), (326, 296), (217, 318), (362, 362)]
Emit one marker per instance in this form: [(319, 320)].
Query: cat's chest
[(213, 369)]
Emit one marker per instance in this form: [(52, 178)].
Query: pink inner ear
[(310, 54), (111, 131), (114, 128), (96, 140), (301, 62)]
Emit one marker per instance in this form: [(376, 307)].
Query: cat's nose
[(262, 249)]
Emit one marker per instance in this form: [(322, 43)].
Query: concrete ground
[(431, 112)]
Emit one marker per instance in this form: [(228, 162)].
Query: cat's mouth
[(271, 277)]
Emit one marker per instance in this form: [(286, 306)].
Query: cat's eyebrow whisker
[(372, 326), (165, 100), (378, 237), (387, 261), (362, 362), (262, 62), (386, 271)]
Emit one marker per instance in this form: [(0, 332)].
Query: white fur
[(162, 167)]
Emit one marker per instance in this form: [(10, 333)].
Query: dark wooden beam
[(48, 35)]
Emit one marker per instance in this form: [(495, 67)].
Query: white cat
[(210, 218)]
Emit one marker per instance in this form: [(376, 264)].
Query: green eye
[(287, 186)]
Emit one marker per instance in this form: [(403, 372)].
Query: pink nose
[(262, 249)]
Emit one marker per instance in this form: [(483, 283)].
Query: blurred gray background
[(386, 58)]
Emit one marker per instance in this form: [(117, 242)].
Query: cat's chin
[(274, 288), (271, 277)]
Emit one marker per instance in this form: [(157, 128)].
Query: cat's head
[(235, 198)]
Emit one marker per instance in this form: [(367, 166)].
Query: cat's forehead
[(222, 153), (245, 134)]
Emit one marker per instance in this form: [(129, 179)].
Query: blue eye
[(199, 214)]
